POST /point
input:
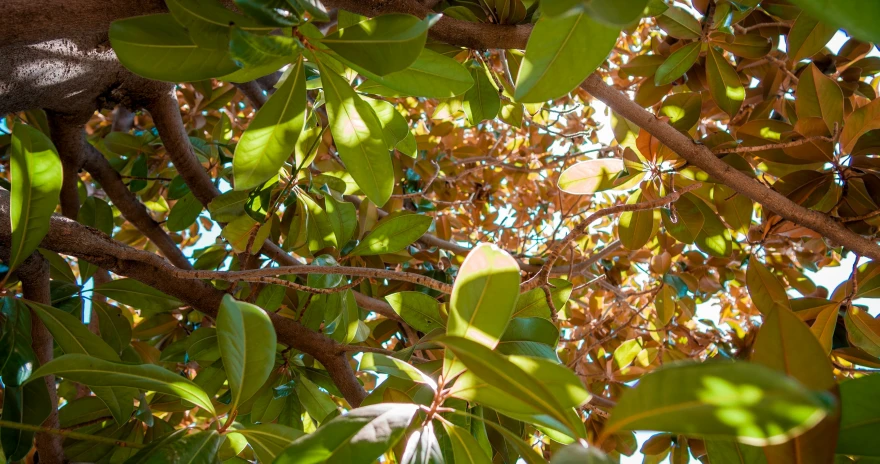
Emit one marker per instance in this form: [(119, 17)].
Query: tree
[(305, 231)]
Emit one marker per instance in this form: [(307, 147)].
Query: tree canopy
[(422, 231)]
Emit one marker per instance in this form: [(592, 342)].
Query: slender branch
[(64, 433), (703, 158), (555, 251), (774, 146)]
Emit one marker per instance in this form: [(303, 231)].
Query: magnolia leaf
[(393, 234)]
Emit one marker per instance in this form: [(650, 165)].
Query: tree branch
[(73, 239), (253, 92)]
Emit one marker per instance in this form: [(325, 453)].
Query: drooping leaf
[(679, 24), (807, 37), (208, 23), (863, 330), (481, 101), (271, 136), (636, 228), (465, 447), (393, 234), (358, 136), (431, 75), (360, 436), (384, 44), (747, 402), (158, 47), (35, 170), (765, 289), (724, 84), (560, 54), (92, 371), (247, 342), (678, 63), (28, 404)]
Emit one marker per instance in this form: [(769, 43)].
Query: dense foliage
[(456, 231)]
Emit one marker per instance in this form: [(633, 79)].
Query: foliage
[(408, 251)]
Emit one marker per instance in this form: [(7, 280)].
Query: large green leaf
[(819, 96), (158, 47), (358, 136), (376, 362), (208, 22), (247, 346), (465, 447), (36, 173), (360, 436), (138, 295), (383, 44), (271, 136), (393, 234), (533, 303), (432, 75), (616, 12), (636, 228), (184, 213), (560, 54), (678, 63), (856, 16), (269, 440), (17, 358), (520, 384), (724, 84), (259, 54), (481, 101), (859, 417), (417, 309), (530, 336), (484, 295), (92, 371), (749, 402)]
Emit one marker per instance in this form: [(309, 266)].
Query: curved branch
[(253, 92), (68, 137), (72, 238)]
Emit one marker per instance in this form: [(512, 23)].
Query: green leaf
[(680, 24), (484, 295), (432, 75), (734, 453), (320, 229), (714, 237), (560, 54), (636, 228), (517, 384), (138, 295), (244, 230), (530, 336), (228, 206), (765, 289), (75, 338), (196, 448), (808, 37), (358, 136), (418, 310), (247, 346), (58, 267), (615, 12), (724, 84), (394, 125), (664, 304), (853, 15), (688, 219), (272, 12), (259, 55), (208, 22), (35, 174), (358, 437), (533, 303), (383, 44), (590, 176), (786, 344), (481, 101), (96, 372), (753, 46), (28, 404), (577, 454), (864, 119), (678, 63), (271, 137), (376, 362), (184, 213), (422, 447), (269, 440), (157, 47), (749, 402), (393, 234), (465, 447), (859, 417), (863, 330), (318, 404), (343, 218)]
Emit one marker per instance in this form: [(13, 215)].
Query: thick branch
[(68, 137), (253, 91), (702, 157), (73, 239)]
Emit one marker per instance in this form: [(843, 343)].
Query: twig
[(70, 434), (774, 146)]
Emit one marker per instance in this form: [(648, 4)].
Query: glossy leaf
[(184, 213), (92, 371), (360, 436), (533, 303), (358, 136), (766, 290), (748, 402), (465, 447), (418, 310), (393, 234), (859, 417), (678, 63), (383, 44), (808, 36), (724, 84), (269, 440), (199, 447), (481, 101), (858, 123), (247, 346), (590, 176), (138, 295), (863, 330), (431, 75), (158, 47), (35, 170), (560, 54), (819, 96), (271, 136), (635, 228)]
